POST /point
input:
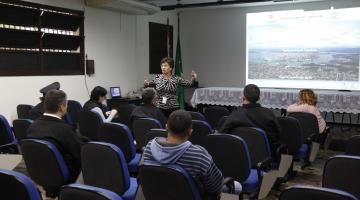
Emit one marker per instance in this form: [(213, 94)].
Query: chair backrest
[(257, 142), (353, 146), (20, 128), (6, 134), (200, 130), (119, 135), (15, 185), (23, 110), (80, 192), (45, 164), (74, 108), (221, 122), (104, 166), (213, 114), (89, 124), (141, 126), (308, 123), (197, 116), (155, 132), (124, 114), (314, 193), (291, 133), (342, 173), (230, 154), (167, 182)]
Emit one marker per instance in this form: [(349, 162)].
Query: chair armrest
[(230, 184), (264, 165)]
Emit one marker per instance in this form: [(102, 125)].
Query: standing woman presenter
[(166, 84)]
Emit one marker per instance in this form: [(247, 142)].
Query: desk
[(328, 101), (115, 103), (9, 161)]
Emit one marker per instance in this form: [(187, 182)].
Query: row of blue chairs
[(15, 185)]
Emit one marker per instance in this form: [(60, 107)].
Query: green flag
[(178, 72)]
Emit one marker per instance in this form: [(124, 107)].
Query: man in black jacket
[(251, 114), (52, 128), (38, 110), (148, 108)]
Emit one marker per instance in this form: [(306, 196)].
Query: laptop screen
[(115, 92)]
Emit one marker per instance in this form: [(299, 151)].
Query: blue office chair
[(45, 165), (20, 128), (15, 185), (74, 108), (308, 123), (197, 116), (231, 155), (342, 173), (86, 192), (314, 193), (89, 124), (141, 126), (258, 145), (104, 166), (124, 114), (120, 135), (213, 114), (353, 146), (200, 130), (23, 111), (292, 135), (167, 182), (8, 141)]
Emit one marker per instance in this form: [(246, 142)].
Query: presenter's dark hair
[(179, 122), (53, 100), (148, 95), (169, 61), (97, 92), (252, 93)]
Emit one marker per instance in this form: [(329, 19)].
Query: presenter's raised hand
[(193, 75), (146, 82)]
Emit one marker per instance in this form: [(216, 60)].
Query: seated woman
[(307, 103), (148, 107), (95, 104)]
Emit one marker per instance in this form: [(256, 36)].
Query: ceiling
[(172, 4)]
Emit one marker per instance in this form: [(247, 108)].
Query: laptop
[(115, 92)]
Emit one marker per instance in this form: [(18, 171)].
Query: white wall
[(109, 40), (214, 40)]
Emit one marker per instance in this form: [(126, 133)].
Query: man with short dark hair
[(148, 107), (251, 114), (52, 128), (176, 149), (38, 110)]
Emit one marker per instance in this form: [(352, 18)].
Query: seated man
[(176, 149), (51, 127), (251, 114), (148, 108), (38, 110)]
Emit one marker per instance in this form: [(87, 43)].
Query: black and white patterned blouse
[(167, 90)]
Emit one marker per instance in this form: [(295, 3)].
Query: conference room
[(180, 99)]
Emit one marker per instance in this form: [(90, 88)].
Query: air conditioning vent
[(126, 6)]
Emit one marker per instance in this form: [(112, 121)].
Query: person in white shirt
[(95, 104)]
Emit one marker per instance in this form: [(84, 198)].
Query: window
[(37, 39), (161, 45)]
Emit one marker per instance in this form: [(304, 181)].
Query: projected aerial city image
[(326, 48), (335, 64)]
